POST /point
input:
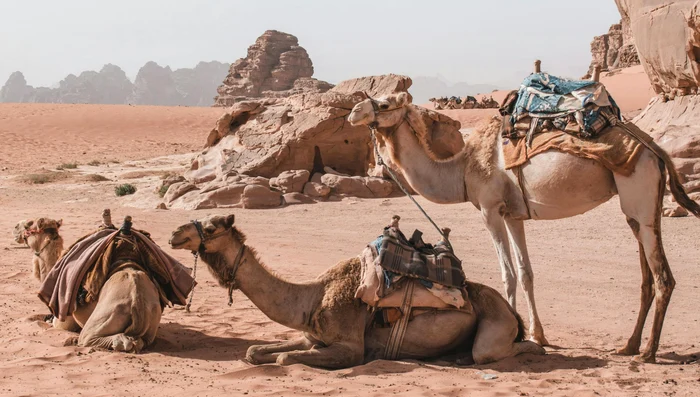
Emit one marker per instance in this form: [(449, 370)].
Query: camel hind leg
[(499, 328), (641, 196)]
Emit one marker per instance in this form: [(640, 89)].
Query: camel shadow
[(678, 359), (177, 340), (523, 363)]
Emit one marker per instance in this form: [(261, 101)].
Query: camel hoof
[(646, 358), (627, 351), (285, 359), (72, 341), (251, 355), (126, 344)]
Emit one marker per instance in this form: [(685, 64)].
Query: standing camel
[(477, 175), (333, 321)]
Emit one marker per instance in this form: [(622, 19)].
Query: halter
[(30, 232), (375, 107), (202, 249)]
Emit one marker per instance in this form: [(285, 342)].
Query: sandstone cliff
[(275, 67)]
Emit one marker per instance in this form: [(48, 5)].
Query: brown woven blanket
[(88, 263), (613, 148)]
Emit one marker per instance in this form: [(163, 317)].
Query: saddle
[(404, 278)]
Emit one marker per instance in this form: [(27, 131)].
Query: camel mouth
[(179, 244)]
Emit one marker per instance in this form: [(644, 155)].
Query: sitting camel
[(439, 103), (477, 175), (334, 322), (41, 235), (126, 314)]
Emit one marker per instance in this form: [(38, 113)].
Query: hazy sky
[(474, 41)]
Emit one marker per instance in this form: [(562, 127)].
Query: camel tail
[(677, 189), (674, 180)]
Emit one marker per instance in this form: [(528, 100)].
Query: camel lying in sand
[(553, 185), (334, 323), (41, 235), (127, 312)]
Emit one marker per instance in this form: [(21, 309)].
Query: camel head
[(201, 235), (19, 231), (39, 232), (383, 112)]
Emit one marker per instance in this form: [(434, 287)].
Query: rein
[(380, 161)]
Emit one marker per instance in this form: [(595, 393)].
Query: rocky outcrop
[(155, 85), (288, 139), (16, 89), (613, 50), (275, 67), (667, 36)]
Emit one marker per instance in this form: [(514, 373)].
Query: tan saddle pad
[(422, 298)]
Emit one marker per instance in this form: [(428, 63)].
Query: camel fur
[(333, 322), (126, 314), (477, 175)]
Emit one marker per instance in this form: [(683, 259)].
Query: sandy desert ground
[(586, 274)]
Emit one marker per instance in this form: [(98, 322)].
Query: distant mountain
[(154, 85), (424, 88)]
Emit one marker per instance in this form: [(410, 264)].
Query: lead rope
[(380, 161), (194, 283)]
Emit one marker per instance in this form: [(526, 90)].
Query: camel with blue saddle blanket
[(549, 182), (338, 329)]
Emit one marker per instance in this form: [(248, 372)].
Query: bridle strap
[(202, 237), (236, 265)]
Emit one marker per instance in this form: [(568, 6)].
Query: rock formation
[(300, 147), (667, 36), (275, 67), (614, 50), (154, 85)]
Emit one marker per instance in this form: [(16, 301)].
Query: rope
[(194, 283), (380, 161)]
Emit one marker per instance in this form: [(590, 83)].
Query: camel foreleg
[(496, 226), (516, 233), (335, 356), (267, 354)]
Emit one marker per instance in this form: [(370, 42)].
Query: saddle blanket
[(392, 260)]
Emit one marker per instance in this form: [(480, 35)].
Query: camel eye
[(384, 106), (210, 229)]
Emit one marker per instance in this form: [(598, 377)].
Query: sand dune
[(586, 270)]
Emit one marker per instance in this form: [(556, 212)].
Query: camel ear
[(40, 223), (28, 224), (229, 221), (403, 99), (59, 223)]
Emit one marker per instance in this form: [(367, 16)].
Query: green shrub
[(125, 189), (67, 166)]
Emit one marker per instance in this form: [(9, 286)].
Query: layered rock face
[(667, 36), (301, 148), (275, 67), (154, 85), (613, 50)]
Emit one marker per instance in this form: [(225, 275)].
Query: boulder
[(316, 190), (178, 189), (275, 67), (357, 186), (297, 198), (290, 181), (256, 196)]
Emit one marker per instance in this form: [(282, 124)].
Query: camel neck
[(440, 181), (283, 302)]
